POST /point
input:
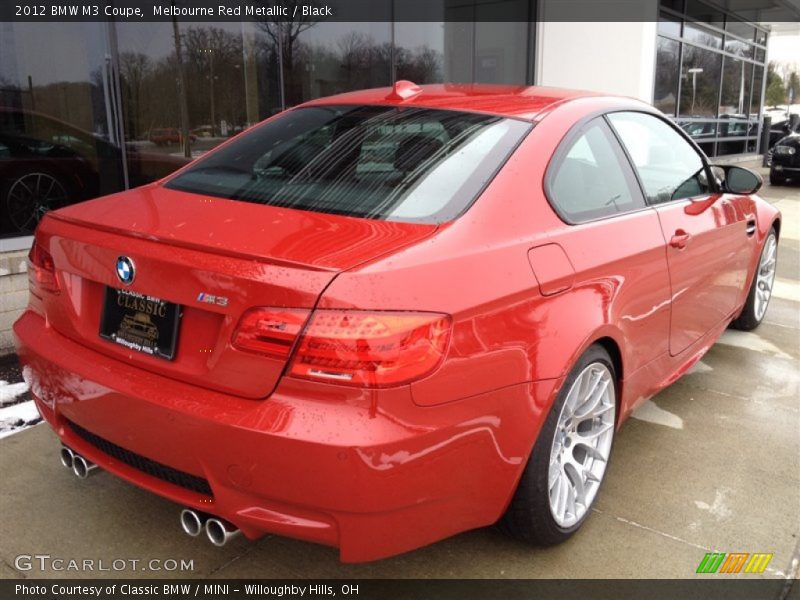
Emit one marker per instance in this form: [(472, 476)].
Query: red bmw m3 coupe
[(385, 317)]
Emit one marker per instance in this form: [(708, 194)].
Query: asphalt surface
[(710, 464)]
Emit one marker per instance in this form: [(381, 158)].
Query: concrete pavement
[(710, 464)]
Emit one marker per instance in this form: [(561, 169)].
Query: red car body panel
[(287, 265), (343, 467), (376, 472)]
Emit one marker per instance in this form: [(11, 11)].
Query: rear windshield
[(378, 162)]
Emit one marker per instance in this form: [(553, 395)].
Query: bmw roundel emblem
[(125, 270)]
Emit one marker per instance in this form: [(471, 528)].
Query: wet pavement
[(712, 464)]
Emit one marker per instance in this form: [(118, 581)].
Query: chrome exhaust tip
[(82, 467), (67, 457), (220, 532), (192, 522)]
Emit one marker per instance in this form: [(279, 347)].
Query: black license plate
[(142, 323)]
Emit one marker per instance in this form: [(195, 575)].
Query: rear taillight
[(270, 331), (361, 348), (43, 269), (370, 349)]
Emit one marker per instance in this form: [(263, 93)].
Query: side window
[(668, 166), (591, 179)]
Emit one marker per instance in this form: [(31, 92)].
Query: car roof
[(523, 102)]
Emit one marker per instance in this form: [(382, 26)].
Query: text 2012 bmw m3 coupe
[(386, 317)]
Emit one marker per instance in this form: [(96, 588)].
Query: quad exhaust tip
[(192, 522), (82, 467), (67, 457), (218, 531), (79, 466)]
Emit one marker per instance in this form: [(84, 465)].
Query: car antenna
[(403, 90)]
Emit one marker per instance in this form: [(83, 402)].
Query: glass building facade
[(88, 109), (710, 75)]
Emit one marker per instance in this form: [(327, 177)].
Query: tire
[(530, 516), (757, 302), (26, 196), (775, 179)]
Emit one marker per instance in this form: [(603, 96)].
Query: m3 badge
[(212, 299)]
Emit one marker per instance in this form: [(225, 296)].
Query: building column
[(589, 55)]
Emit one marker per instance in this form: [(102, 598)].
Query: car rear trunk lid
[(214, 258)]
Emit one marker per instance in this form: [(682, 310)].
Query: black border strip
[(360, 10), (714, 587)]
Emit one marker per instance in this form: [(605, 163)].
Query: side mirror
[(738, 180)]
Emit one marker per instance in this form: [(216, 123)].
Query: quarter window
[(668, 166), (591, 179)]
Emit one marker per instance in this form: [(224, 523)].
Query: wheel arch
[(776, 224), (611, 345), (609, 338), (768, 217)]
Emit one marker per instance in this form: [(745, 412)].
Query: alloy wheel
[(582, 444), (765, 278), (31, 196)]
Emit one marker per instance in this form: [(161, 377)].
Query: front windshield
[(379, 162)]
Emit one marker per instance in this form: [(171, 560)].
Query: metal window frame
[(684, 40), (683, 18)]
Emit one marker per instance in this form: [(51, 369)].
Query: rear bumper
[(368, 472)]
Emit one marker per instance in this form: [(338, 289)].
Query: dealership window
[(703, 36), (463, 52), (700, 81), (329, 58), (132, 102), (669, 25), (483, 41), (497, 55), (739, 28), (59, 145), (734, 105), (419, 51), (712, 63), (665, 96), (228, 73)]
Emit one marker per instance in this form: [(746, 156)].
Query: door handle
[(680, 239), (751, 227)]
